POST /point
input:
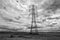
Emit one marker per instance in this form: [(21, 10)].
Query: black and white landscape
[(30, 19)]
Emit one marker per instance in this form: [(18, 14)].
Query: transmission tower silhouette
[(33, 22)]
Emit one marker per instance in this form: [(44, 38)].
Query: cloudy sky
[(15, 15)]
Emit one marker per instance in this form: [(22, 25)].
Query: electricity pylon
[(33, 22)]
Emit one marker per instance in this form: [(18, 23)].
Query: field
[(27, 36)]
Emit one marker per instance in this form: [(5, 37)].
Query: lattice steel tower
[(33, 22)]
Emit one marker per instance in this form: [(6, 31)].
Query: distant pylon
[(33, 23)]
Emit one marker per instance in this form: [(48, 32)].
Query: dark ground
[(28, 36)]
